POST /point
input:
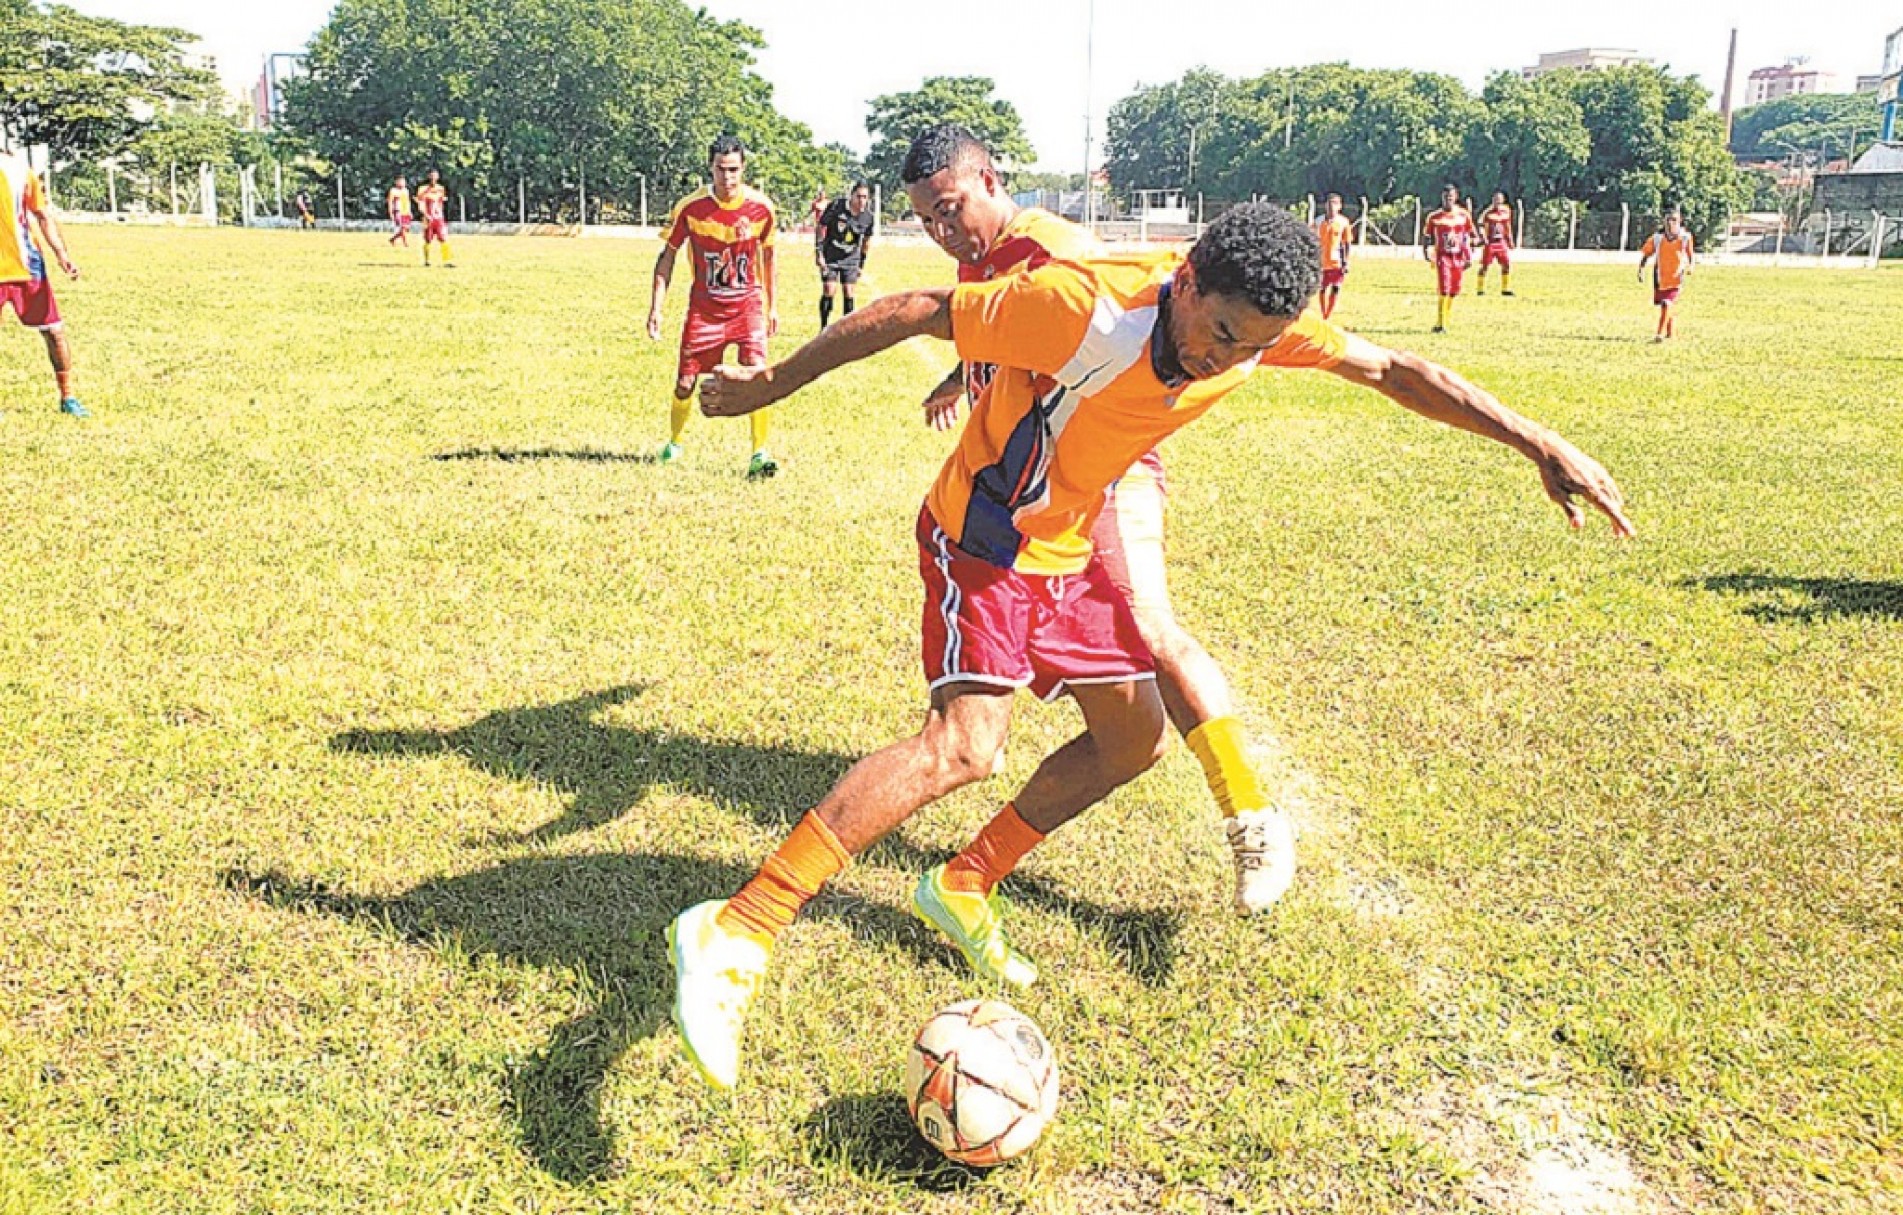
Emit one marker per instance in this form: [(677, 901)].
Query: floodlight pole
[(1090, 62)]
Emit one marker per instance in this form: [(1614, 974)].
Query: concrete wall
[(1860, 192)]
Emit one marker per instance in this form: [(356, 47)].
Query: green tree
[(1825, 123), (1532, 140), (87, 86), (1154, 136), (897, 118)]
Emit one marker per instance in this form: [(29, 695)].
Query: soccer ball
[(981, 1082)]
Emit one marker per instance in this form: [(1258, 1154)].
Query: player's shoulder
[(1057, 236), (760, 199)]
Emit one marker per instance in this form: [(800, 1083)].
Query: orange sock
[(988, 859), (809, 858)]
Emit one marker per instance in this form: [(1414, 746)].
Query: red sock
[(989, 858), (806, 860)]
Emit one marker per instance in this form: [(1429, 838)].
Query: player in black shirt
[(839, 246)]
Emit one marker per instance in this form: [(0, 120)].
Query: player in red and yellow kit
[(958, 193), (1672, 247), (1100, 360), (1337, 236), (1447, 241), (728, 232), (25, 285), (398, 202), (1496, 234), (432, 199)]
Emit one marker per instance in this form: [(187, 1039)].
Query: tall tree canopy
[(558, 93), (1821, 123), (897, 118), (1637, 136), (86, 87)]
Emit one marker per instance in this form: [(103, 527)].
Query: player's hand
[(941, 406), (773, 323), (654, 326), (1569, 473), (731, 392), (67, 264)]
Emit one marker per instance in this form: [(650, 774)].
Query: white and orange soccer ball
[(981, 1082)]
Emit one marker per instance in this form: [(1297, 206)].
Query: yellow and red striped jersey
[(1496, 225), (1078, 399), (1032, 238), (724, 243), (399, 201), (430, 200), (1452, 231), (20, 194)]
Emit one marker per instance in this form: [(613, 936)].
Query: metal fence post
[(340, 196), (1519, 222), (1826, 233), (1364, 219), (1876, 237), (112, 189), (1417, 221), (1572, 229), (175, 189), (581, 186), (1625, 227), (1777, 250), (278, 168), (521, 200), (462, 208)]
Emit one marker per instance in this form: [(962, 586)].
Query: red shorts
[(1335, 277), (1009, 629), (705, 338), (435, 229), (1452, 270), (1128, 537), (1662, 296), (32, 301), (1497, 255), (401, 222)]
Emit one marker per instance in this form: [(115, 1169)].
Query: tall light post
[(1090, 62)]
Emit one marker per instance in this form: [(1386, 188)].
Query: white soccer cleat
[(1263, 842), (716, 975)]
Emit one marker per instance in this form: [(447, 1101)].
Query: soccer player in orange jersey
[(1496, 234), (1447, 242), (1100, 359), (433, 199), (1671, 246), (400, 211), (728, 231), (959, 195), (1337, 236), (25, 285)]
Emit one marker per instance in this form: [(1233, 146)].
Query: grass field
[(369, 702)]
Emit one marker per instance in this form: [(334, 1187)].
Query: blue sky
[(825, 59)]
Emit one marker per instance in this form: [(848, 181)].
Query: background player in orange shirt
[(728, 231), (1337, 236), (25, 285), (1447, 242), (1100, 360), (956, 190), (1672, 246), (434, 199), (1496, 233), (400, 211)]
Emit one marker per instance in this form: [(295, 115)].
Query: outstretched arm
[(880, 325), (1435, 392)]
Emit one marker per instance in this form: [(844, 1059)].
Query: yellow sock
[(1506, 280), (1218, 746), (445, 252), (426, 253), (761, 420), (677, 416), (1446, 307)]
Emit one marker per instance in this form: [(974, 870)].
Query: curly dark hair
[(1260, 253), (726, 145), (942, 147)]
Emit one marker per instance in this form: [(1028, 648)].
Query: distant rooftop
[(1586, 58), (1880, 158)]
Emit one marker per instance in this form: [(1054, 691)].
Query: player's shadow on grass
[(599, 917), (1774, 598), (517, 455), (873, 1136), (607, 770)]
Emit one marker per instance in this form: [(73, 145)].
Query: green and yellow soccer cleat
[(762, 466), (671, 453), (975, 923), (717, 973)]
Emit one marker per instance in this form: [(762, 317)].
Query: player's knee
[(1141, 739), (684, 388), (961, 754)]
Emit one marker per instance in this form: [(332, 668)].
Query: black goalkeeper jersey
[(843, 236)]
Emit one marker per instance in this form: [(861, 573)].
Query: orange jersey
[(20, 195), (1673, 257), (725, 242), (1032, 238), (431, 199), (399, 201), (1078, 399), (1452, 233), (1336, 235), (1496, 226)]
